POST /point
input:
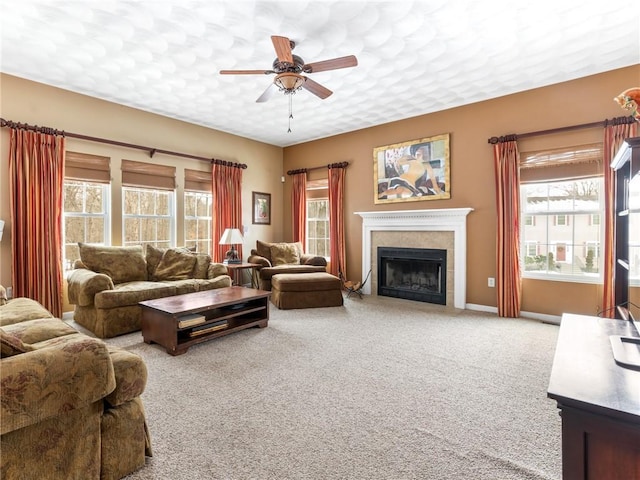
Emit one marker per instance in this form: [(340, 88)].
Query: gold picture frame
[(412, 171), (261, 208)]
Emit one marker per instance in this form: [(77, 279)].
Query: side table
[(236, 269)]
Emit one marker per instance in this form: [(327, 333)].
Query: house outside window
[(86, 217), (148, 217), (562, 189)]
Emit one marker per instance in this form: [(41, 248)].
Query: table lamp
[(231, 236)]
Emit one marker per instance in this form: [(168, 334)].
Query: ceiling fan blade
[(267, 94), (333, 64), (283, 48), (245, 72), (315, 88)]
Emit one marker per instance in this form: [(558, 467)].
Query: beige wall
[(581, 101), (37, 104), (472, 183)]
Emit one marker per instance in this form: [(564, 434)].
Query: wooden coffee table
[(181, 321)]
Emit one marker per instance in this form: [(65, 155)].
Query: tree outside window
[(148, 217), (197, 220), (86, 208)]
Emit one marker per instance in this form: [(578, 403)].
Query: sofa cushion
[(39, 330), (11, 345), (132, 293), (122, 264), (284, 254), (20, 309), (176, 264)]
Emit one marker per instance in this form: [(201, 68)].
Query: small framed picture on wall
[(261, 208)]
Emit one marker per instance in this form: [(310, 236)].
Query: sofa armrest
[(308, 259), (216, 269), (60, 375), (131, 376), (85, 284), (262, 261)]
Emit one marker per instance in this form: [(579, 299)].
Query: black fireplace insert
[(413, 273)]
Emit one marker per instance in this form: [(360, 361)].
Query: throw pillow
[(122, 264), (284, 254), (202, 265), (153, 256), (264, 249), (176, 264), (3, 295), (11, 345)]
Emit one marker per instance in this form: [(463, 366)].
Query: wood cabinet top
[(585, 374)]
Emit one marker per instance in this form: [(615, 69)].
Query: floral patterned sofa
[(109, 282), (275, 258), (71, 405)]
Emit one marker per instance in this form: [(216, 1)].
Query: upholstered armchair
[(71, 404), (275, 258)]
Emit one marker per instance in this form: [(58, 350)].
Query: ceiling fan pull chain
[(290, 111)]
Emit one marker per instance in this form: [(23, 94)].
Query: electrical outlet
[(491, 282)]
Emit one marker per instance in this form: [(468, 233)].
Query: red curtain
[(615, 132), (299, 207), (508, 282), (226, 189), (36, 181), (336, 220)]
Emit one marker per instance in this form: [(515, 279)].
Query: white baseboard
[(554, 319)]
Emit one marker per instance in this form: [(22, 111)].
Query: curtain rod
[(604, 123), (331, 165), (152, 151)]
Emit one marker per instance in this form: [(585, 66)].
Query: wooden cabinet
[(599, 401), (627, 166)]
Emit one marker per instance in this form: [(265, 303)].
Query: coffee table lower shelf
[(181, 321)]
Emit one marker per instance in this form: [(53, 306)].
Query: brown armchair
[(275, 258)]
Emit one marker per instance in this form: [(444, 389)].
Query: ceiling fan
[(289, 68)]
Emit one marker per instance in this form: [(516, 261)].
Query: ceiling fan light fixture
[(289, 82)]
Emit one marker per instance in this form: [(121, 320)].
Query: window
[(198, 211), (531, 249), (564, 211), (86, 204), (318, 227), (148, 212), (562, 188), (86, 217), (318, 218), (148, 217), (530, 220), (197, 220)]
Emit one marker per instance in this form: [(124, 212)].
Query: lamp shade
[(231, 236), (1, 228)]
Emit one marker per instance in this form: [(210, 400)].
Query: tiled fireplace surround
[(436, 228)]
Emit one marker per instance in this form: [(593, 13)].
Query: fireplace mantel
[(434, 220)]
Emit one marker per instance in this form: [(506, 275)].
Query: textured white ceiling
[(415, 57)]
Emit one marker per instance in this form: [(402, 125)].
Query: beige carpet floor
[(378, 389)]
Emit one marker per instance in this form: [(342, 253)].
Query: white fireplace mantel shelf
[(434, 220)]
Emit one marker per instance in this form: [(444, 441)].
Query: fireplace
[(413, 274), (432, 228)]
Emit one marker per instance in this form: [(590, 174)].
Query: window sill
[(594, 279)]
